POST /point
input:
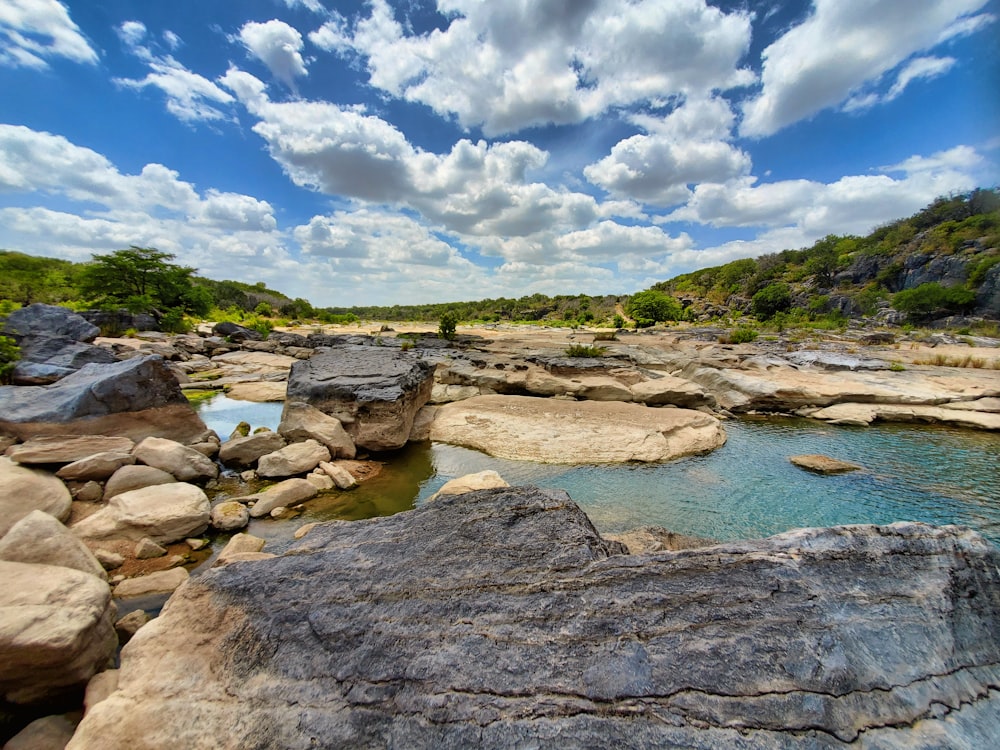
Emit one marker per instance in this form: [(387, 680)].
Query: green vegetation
[(446, 327), (771, 300), (933, 300), (9, 354), (653, 306), (582, 350), (740, 335)]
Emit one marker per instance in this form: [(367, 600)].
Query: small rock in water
[(196, 544), (823, 464), (242, 430)]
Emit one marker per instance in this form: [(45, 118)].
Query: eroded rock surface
[(375, 392), (501, 619), (571, 432)]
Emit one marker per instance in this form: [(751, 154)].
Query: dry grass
[(943, 360)]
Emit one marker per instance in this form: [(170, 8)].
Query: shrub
[(740, 335), (654, 306), (770, 300), (932, 299), (618, 322), (582, 350), (9, 354), (446, 326)]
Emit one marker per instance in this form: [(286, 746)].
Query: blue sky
[(406, 151)]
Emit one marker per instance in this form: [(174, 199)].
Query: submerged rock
[(823, 464), (502, 619), (374, 391), (568, 432)]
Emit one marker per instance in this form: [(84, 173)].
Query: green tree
[(142, 280), (932, 300), (651, 306), (772, 299), (447, 324)]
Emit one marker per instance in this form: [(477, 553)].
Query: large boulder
[(301, 421), (293, 459), (184, 463), (98, 467), (47, 359), (23, 490), (40, 539), (501, 619), (56, 630), (281, 495), (135, 477), (134, 398), (245, 451), (164, 513), (40, 320), (67, 449), (373, 391), (574, 432)]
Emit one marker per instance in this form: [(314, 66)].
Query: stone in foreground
[(501, 619), (23, 490), (574, 432), (375, 392)]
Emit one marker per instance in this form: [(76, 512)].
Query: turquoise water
[(745, 489)]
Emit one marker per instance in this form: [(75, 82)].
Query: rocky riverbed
[(111, 476)]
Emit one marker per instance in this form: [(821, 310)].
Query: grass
[(582, 350), (942, 360)]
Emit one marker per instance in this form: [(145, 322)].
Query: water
[(746, 489)]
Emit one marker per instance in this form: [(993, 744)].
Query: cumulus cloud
[(508, 66), (32, 31), (313, 5), (190, 96), (689, 146), (844, 45), (278, 46)]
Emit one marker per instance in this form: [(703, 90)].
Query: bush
[(933, 300), (446, 326), (582, 350), (618, 322), (740, 335), (770, 300), (9, 354), (654, 306)]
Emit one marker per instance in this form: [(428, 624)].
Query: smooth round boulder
[(25, 490), (230, 516), (296, 458), (165, 513), (186, 464), (40, 539), (135, 477)]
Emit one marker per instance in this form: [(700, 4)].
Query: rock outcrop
[(56, 629), (375, 392), (571, 432), (501, 619), (134, 398)]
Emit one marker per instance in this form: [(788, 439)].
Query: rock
[(245, 451), (46, 359), (129, 625), (41, 320), (236, 333), (47, 733), (23, 490), (134, 398), (421, 430), (146, 549), (672, 391), (101, 685), (229, 516), (296, 458), (164, 512), (88, 492), (321, 481), (197, 544), (501, 619), (305, 529), (657, 539), (261, 392), (40, 539), (55, 630), (240, 431), (98, 467), (483, 480), (135, 477), (160, 582), (109, 560), (238, 546), (180, 461), (567, 432), (287, 493), (823, 464), (68, 449), (341, 477), (300, 421), (861, 415), (373, 391)]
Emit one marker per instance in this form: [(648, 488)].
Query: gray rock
[(97, 467), (58, 353), (165, 513), (184, 463), (373, 391), (67, 449), (23, 490), (300, 421), (40, 539), (236, 333), (49, 320), (134, 398), (135, 477), (56, 630), (296, 458), (245, 451), (501, 619)]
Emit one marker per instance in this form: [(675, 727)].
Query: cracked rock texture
[(500, 619)]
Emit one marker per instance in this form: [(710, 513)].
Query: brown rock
[(823, 464)]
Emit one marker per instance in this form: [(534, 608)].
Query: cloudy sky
[(396, 151)]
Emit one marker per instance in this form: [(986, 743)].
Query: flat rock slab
[(823, 464), (65, 449), (864, 414), (574, 432), (501, 619)]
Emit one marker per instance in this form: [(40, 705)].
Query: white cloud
[(507, 66), (31, 31), (313, 5), (920, 67), (842, 46), (609, 241), (278, 46), (131, 32), (173, 41), (686, 147)]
